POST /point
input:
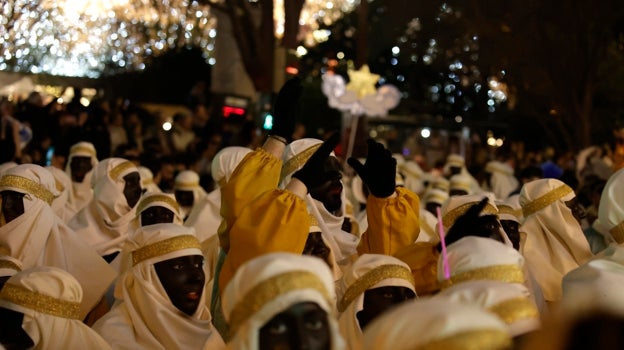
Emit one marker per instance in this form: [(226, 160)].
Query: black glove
[(471, 224), (285, 108), (312, 174), (379, 170)]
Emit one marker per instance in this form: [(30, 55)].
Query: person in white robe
[(269, 286), (37, 237), (154, 312), (81, 162), (501, 180), (391, 278), (551, 240), (437, 324), (109, 218), (47, 299)]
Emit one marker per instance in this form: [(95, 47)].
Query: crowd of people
[(125, 236)]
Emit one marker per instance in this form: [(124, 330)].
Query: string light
[(88, 37), (313, 14)]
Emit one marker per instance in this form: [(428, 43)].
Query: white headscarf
[(43, 239), (205, 216), (512, 302), (554, 243), (159, 199), (147, 180), (60, 204), (478, 258), (596, 284), (414, 176), (50, 300), (268, 285), (437, 324), (369, 271), (460, 182), (81, 193), (610, 221), (503, 181), (457, 206), (456, 160), (146, 318), (188, 180), (108, 219), (343, 244)]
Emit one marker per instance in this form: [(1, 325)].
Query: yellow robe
[(393, 223), (256, 174)]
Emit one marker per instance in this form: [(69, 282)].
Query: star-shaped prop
[(362, 81), (360, 96)]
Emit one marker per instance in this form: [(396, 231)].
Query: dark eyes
[(280, 328), (180, 267)]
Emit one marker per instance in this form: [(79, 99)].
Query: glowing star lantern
[(360, 96), (362, 81)]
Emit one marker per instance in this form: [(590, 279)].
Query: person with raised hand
[(277, 220), (393, 212), (285, 109), (256, 173)]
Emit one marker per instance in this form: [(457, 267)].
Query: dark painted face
[(301, 326), (79, 167), (156, 215), (490, 227), (454, 170), (456, 192), (185, 198), (132, 189), (12, 205), (315, 246), (183, 279), (578, 210), (379, 300), (432, 207), (512, 230), (330, 191), (13, 336)]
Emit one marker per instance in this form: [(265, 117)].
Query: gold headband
[(82, 149), (298, 160), (515, 309), (271, 289), (120, 169), (59, 186), (164, 247), (502, 273), (435, 198), (40, 302), (370, 279), (29, 186), (486, 339), (146, 201), (506, 209), (449, 218), (185, 185), (7, 264), (618, 232), (441, 185), (460, 185), (542, 202)]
